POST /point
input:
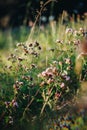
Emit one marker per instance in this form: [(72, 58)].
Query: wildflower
[(36, 44), (67, 78), (67, 61), (26, 51), (23, 77), (49, 74), (57, 95), (35, 54), (26, 77), (17, 82), (20, 59), (54, 62), (69, 42), (39, 48), (77, 42), (13, 56), (81, 30), (64, 72), (7, 104), (49, 81), (31, 44), (16, 88), (55, 70), (43, 73), (62, 85), (14, 103), (60, 63), (59, 41), (10, 120), (20, 83), (69, 30), (69, 68), (77, 33), (39, 75), (19, 44), (33, 65)]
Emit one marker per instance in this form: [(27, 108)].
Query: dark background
[(19, 12)]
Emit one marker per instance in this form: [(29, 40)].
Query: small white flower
[(67, 78), (69, 30), (62, 85)]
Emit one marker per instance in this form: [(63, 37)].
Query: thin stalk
[(46, 101), (28, 105), (38, 16)]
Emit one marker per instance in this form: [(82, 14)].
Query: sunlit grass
[(41, 74)]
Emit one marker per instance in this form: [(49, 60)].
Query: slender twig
[(28, 105), (46, 101), (38, 16)]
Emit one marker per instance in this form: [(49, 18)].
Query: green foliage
[(40, 77)]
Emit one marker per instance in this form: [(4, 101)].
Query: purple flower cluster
[(48, 75)]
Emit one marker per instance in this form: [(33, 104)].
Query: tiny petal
[(62, 85)]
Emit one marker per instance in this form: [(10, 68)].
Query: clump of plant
[(35, 89), (40, 86), (59, 82)]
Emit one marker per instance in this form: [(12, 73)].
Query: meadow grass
[(37, 75)]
